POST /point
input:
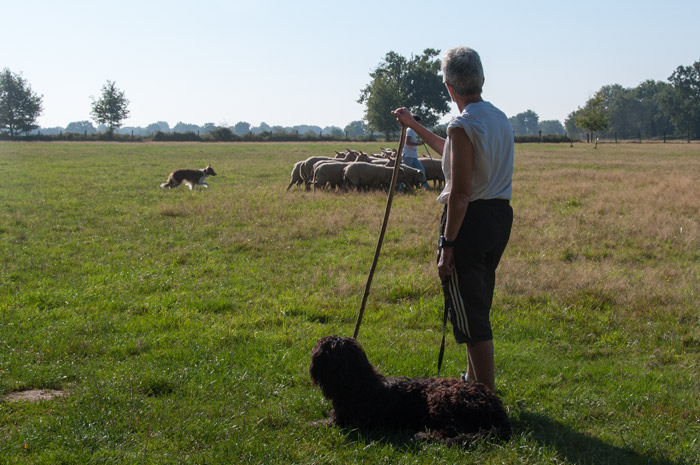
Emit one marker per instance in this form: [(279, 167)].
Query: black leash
[(444, 331), (442, 345)]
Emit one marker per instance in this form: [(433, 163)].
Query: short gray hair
[(462, 70)]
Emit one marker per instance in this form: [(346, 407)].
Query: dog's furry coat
[(445, 409), (190, 177)]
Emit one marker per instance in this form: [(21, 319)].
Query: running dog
[(448, 410), (190, 177)]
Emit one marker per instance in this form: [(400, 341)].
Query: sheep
[(411, 176), (307, 169), (296, 175), (433, 171), (363, 157), (352, 155), (388, 153), (370, 175), (363, 175), (304, 171), (329, 174)]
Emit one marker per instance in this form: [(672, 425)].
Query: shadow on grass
[(399, 440), (570, 445), (579, 448), (404, 440)]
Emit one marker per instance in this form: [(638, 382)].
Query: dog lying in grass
[(190, 177), (445, 409)]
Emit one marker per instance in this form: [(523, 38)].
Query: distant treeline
[(242, 130), (217, 135), (652, 110), (226, 135)]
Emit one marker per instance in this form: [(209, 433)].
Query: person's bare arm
[(403, 115), (462, 166)]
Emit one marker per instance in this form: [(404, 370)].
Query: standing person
[(477, 159), (409, 156)]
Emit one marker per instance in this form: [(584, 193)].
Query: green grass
[(180, 323)]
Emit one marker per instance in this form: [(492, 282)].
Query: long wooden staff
[(394, 180)]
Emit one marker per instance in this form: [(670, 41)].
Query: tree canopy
[(81, 127), (355, 129), (111, 108), (593, 116), (683, 105), (20, 106), (241, 128), (525, 123), (414, 83)]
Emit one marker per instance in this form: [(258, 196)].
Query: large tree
[(81, 127), (683, 105), (383, 96), (525, 123), (622, 109), (355, 129), (414, 83), (182, 128), (653, 121), (20, 106), (594, 115), (111, 108), (241, 128)]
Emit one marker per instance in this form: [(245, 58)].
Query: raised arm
[(403, 115)]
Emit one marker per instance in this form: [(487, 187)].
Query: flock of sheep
[(360, 171)]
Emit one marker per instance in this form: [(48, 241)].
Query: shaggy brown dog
[(446, 409)]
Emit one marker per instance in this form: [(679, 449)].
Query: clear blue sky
[(305, 62)]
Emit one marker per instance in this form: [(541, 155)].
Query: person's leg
[(481, 363)]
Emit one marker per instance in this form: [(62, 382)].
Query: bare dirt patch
[(33, 395)]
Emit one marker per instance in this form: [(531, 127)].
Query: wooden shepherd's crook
[(394, 179)]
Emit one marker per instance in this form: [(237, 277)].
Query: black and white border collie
[(190, 177)]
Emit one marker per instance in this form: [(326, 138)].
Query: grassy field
[(177, 325)]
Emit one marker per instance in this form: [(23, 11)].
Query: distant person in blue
[(409, 156), (477, 160)]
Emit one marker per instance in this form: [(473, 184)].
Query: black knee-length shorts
[(468, 291)]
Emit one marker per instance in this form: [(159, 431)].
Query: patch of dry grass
[(622, 220)]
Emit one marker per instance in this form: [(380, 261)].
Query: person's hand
[(403, 116), (446, 262)]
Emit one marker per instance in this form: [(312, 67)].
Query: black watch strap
[(442, 242)]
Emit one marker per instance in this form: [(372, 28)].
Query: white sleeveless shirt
[(491, 135)]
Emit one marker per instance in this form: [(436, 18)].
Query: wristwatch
[(442, 243)]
